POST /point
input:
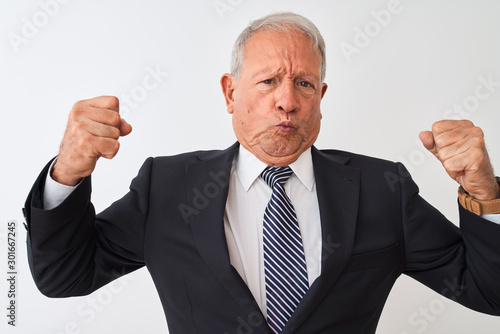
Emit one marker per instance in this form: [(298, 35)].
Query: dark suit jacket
[(375, 227)]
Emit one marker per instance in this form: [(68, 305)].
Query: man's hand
[(93, 129), (459, 145)]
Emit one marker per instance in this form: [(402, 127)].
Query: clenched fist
[(459, 145), (93, 129)]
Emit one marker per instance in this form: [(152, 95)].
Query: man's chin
[(279, 155)]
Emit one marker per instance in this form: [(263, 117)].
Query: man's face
[(276, 101)]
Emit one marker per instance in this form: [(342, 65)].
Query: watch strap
[(479, 207)]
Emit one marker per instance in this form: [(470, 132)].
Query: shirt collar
[(248, 168)]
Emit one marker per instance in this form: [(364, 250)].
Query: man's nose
[(286, 97)]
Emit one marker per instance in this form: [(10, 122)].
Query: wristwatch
[(477, 206)]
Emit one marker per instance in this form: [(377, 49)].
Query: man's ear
[(323, 89), (228, 83)]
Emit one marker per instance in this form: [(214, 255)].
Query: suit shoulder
[(186, 158), (376, 172), (359, 160)]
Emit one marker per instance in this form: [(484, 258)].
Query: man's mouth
[(286, 127)]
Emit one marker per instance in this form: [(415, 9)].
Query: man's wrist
[(59, 177), (477, 206), (54, 192)]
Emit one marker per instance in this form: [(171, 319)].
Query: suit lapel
[(207, 189), (337, 187)]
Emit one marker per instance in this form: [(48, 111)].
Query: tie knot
[(272, 175)]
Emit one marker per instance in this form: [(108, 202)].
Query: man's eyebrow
[(307, 76), (265, 70), (271, 72)]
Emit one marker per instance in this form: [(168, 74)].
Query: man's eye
[(267, 81), (305, 84)]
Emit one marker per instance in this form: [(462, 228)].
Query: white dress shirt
[(244, 216)]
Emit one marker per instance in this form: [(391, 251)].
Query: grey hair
[(283, 22)]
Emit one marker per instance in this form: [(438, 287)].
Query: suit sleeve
[(71, 251), (461, 264)]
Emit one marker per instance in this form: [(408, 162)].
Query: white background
[(414, 69)]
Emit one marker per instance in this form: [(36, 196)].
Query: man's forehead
[(285, 44)]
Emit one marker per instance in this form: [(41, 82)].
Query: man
[(202, 224)]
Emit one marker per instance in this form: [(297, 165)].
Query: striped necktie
[(284, 261)]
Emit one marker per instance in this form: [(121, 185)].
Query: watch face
[(461, 190)]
